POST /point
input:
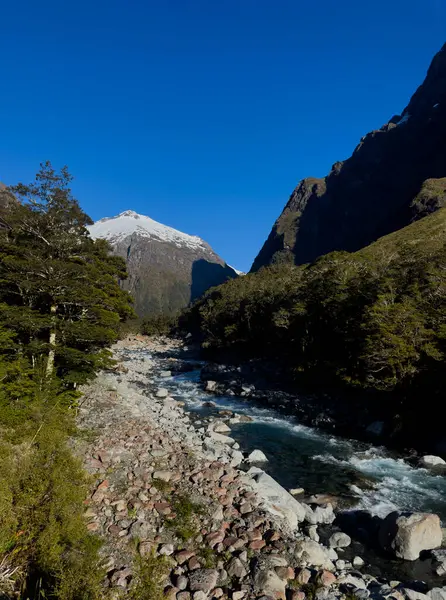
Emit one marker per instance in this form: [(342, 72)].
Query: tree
[(58, 288)]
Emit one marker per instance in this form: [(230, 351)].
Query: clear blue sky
[(203, 114)]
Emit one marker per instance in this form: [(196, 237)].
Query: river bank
[(176, 483), (354, 413)]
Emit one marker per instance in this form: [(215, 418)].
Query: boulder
[(256, 456), (439, 557), (203, 580), (237, 569), (303, 576), (413, 595), (431, 462), (162, 393), (325, 578), (277, 501), (222, 439), (437, 593), (352, 581), (211, 386), (407, 534), (236, 458), (339, 540), (312, 533), (221, 428), (163, 475), (313, 554), (270, 584)]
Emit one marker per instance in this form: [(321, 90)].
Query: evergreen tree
[(59, 289)]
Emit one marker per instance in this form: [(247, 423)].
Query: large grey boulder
[(222, 439), (211, 386), (236, 458), (313, 554), (408, 534), (339, 540), (432, 462), (277, 501), (413, 595), (256, 456), (268, 583), (237, 569), (437, 593), (439, 557), (219, 427)]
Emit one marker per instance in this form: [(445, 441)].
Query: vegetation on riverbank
[(60, 308), (159, 325), (373, 320)]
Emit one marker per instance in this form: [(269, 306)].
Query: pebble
[(358, 562), (162, 475), (166, 550), (181, 582)]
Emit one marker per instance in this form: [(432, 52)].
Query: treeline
[(370, 321), (60, 309)]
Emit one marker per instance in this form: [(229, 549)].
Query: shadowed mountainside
[(397, 174)]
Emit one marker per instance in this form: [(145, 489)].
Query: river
[(368, 480), (370, 477)]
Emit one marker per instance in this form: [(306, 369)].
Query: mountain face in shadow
[(207, 274), (397, 174)]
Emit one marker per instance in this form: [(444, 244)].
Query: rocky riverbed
[(169, 484)]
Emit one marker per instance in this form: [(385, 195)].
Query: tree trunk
[(52, 341)]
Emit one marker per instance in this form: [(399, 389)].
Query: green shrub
[(150, 574), (184, 524), (159, 325), (42, 526)]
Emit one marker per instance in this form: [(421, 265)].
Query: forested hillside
[(373, 321), (60, 308)]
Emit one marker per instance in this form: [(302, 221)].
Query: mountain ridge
[(379, 189)]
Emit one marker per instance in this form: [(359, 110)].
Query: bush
[(149, 576), (159, 325), (43, 532)]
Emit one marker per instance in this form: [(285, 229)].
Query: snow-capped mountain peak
[(129, 222)]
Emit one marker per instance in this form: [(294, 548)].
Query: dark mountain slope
[(396, 174)]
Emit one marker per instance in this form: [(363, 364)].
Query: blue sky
[(203, 114)]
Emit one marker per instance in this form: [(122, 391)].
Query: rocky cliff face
[(167, 268), (396, 174)]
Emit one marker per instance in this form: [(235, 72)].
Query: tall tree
[(58, 288)]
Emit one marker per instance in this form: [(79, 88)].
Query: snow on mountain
[(128, 223), (236, 270)]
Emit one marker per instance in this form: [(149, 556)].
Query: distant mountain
[(396, 175), (167, 268)]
